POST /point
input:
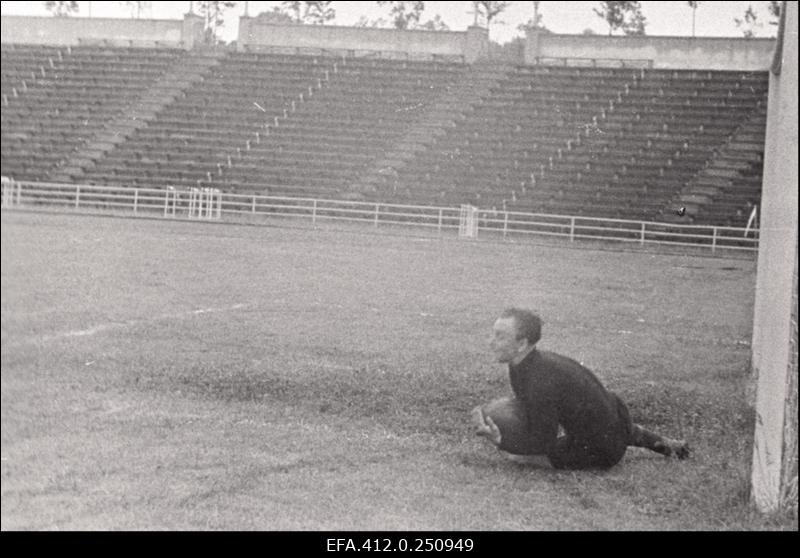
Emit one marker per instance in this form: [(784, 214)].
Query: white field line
[(118, 325)]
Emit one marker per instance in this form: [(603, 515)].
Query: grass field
[(174, 375)]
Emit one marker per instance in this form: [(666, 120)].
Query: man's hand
[(485, 426)]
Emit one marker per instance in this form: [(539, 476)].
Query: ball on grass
[(509, 415)]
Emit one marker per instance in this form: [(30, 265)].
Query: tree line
[(621, 17)]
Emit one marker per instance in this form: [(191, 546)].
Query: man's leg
[(643, 438), (572, 454), (639, 436)]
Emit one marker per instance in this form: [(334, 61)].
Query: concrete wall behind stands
[(705, 53), (471, 44), (69, 30)]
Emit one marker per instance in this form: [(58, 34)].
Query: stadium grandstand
[(408, 117), (634, 134)]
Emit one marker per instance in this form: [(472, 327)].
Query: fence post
[(314, 213), (166, 203), (713, 239), (572, 229), (253, 206), (77, 195), (377, 210), (135, 200), (440, 221), (642, 235), (505, 223)]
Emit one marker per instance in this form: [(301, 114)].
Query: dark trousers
[(607, 450)]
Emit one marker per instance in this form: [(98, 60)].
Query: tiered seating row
[(193, 135), (661, 131), (348, 114), (510, 135), (75, 94)]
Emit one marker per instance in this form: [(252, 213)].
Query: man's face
[(504, 342)]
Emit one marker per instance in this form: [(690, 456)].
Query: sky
[(670, 18)]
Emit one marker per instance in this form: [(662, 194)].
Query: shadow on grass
[(420, 407)]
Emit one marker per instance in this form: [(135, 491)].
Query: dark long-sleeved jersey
[(556, 390)]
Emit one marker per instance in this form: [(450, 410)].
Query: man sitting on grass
[(553, 391)]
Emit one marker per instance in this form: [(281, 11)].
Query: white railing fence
[(211, 204)]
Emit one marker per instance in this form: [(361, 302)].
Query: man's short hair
[(529, 325)]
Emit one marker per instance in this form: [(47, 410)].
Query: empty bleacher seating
[(72, 92), (610, 142)]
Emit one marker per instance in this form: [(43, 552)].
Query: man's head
[(514, 334)]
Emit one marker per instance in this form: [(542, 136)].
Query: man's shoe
[(673, 448)]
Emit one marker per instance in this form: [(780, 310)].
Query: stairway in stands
[(327, 141), (725, 191), (208, 125), (181, 75), (58, 98), (647, 145), (488, 158), (380, 182)]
